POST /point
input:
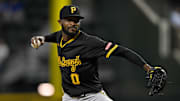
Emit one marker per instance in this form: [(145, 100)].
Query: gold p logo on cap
[(73, 9)]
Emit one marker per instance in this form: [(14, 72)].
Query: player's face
[(70, 25)]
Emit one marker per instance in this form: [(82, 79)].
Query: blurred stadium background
[(150, 27)]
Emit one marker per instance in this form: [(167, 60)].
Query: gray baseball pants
[(100, 96)]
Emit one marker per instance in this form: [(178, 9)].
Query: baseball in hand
[(36, 43)]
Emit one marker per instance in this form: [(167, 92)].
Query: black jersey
[(77, 59)]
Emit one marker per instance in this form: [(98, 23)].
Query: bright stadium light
[(46, 89)]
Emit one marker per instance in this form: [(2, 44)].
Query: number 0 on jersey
[(75, 78)]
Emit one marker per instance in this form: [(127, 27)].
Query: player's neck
[(66, 37)]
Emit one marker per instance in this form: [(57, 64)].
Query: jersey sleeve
[(130, 55), (51, 37), (97, 47)]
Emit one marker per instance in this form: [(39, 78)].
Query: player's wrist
[(147, 67)]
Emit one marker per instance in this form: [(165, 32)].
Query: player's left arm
[(156, 76), (113, 49), (132, 56)]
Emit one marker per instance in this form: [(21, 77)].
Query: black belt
[(85, 94)]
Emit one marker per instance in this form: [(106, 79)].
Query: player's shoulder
[(55, 34), (58, 32), (91, 39)]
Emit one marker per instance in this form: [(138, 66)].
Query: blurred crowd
[(175, 21), (20, 66)]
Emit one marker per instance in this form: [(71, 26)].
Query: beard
[(72, 34)]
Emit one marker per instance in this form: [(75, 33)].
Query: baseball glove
[(156, 80)]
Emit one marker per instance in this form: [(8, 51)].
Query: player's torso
[(79, 72)]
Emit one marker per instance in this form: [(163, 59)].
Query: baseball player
[(77, 57)]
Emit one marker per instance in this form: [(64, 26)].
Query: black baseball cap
[(70, 11)]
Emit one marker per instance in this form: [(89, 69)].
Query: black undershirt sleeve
[(129, 55)]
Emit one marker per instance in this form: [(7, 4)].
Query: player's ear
[(59, 21)]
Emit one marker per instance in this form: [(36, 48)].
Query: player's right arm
[(37, 41)]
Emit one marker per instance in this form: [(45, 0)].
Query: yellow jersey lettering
[(63, 62), (73, 63), (73, 68)]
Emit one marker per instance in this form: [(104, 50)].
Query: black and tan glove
[(156, 80)]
